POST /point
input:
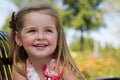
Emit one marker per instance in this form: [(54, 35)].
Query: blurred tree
[(5, 27), (88, 45), (84, 15), (21, 3)]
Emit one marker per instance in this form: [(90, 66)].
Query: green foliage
[(6, 26), (75, 47), (109, 50), (89, 43), (64, 16), (88, 46), (21, 3), (85, 14)]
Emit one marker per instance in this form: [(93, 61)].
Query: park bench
[(5, 67)]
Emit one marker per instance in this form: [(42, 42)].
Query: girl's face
[(39, 35)]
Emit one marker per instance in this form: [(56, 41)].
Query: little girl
[(38, 48)]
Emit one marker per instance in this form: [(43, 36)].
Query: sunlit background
[(92, 30)]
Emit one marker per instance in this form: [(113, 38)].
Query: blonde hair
[(19, 55)]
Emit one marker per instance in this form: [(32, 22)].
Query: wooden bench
[(5, 67)]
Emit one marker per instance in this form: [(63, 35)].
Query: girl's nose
[(40, 36)]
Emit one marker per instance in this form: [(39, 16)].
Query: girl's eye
[(49, 30), (31, 31)]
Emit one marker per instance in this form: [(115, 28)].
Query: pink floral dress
[(49, 71)]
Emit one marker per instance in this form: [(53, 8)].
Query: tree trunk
[(82, 42)]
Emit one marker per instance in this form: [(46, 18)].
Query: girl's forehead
[(33, 13), (36, 18)]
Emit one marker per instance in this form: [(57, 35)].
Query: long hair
[(19, 55)]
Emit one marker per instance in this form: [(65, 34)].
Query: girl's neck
[(38, 63)]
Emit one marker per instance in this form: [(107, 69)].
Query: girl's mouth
[(40, 46)]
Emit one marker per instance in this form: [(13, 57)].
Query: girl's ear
[(18, 39)]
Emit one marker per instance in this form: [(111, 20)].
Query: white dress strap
[(31, 73)]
